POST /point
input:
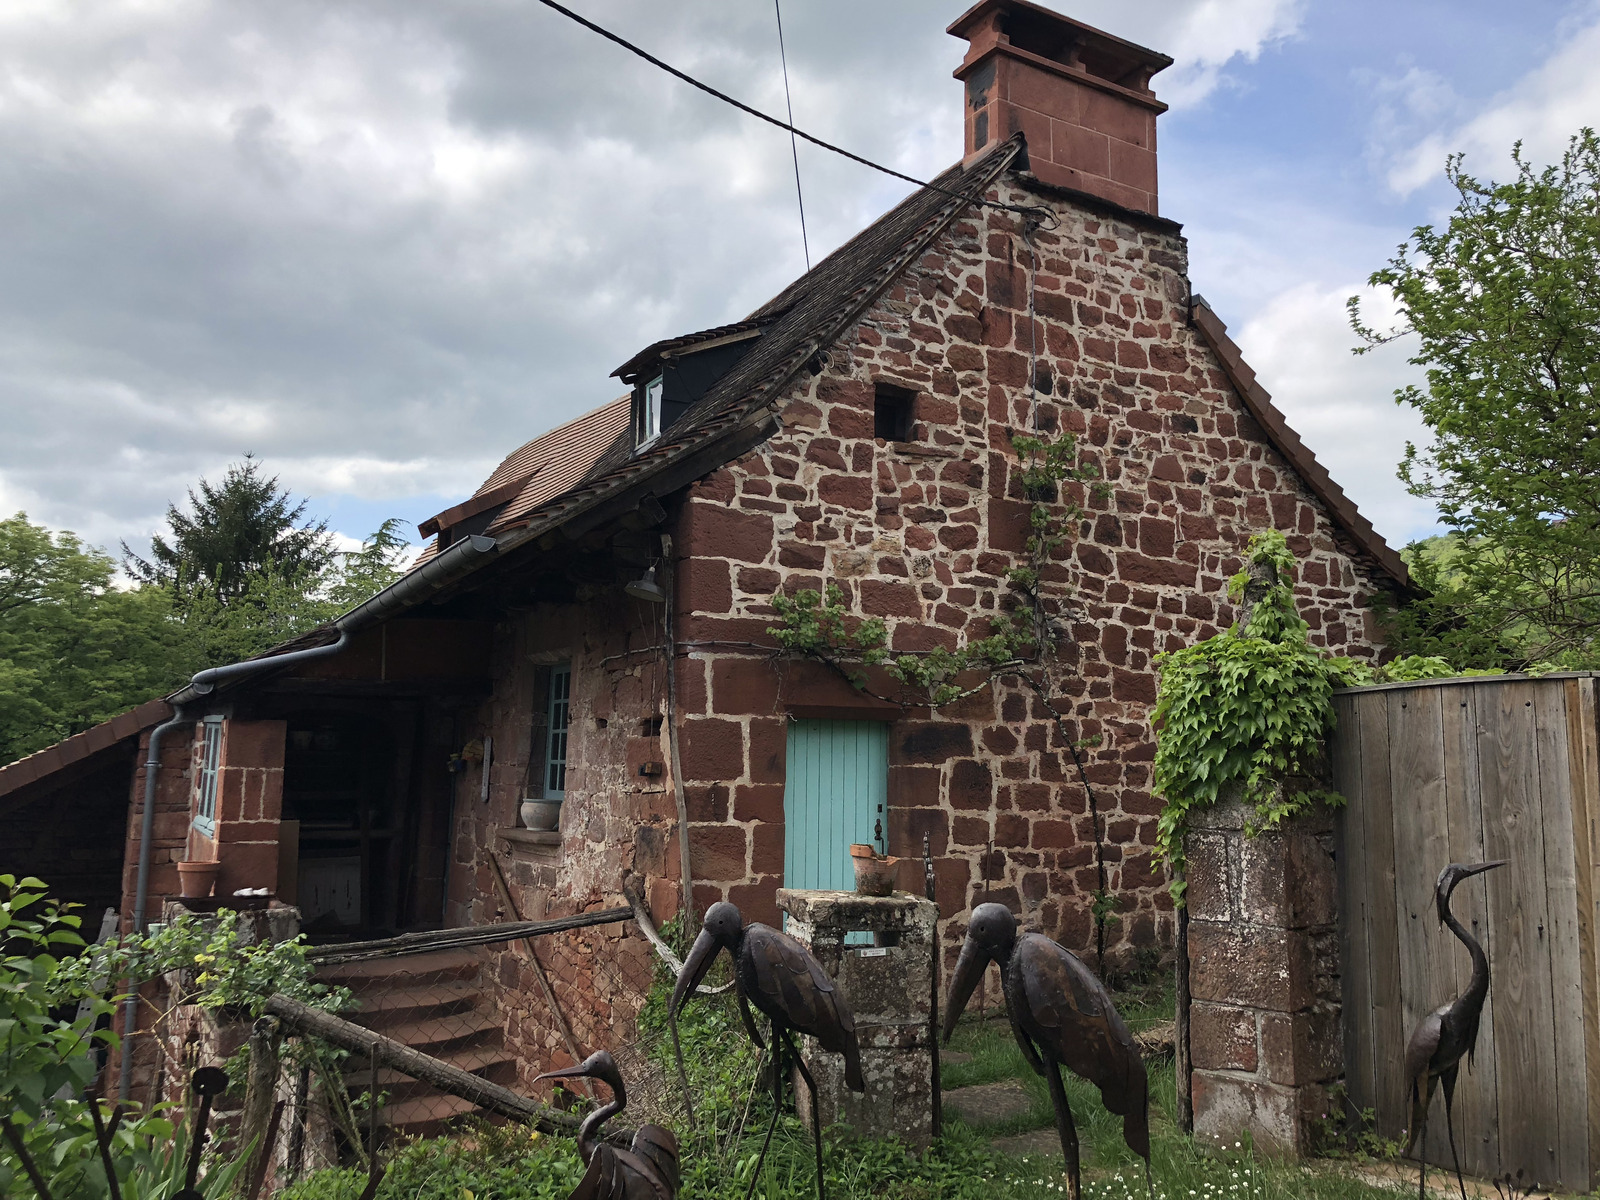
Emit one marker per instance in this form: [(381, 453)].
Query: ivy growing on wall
[(1252, 707)]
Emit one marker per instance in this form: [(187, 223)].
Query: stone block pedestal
[(888, 982), (1264, 1025)]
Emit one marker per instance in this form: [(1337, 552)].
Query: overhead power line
[(723, 96), (794, 147), (1037, 211)]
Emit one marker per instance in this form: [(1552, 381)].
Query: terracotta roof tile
[(79, 746)]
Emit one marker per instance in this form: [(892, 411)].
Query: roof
[(804, 318), (542, 468), (82, 746), (703, 340), (1287, 442)]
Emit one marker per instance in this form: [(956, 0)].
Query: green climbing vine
[(1021, 638), (1252, 708), (819, 625)]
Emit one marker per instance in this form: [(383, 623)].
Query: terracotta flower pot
[(196, 879), (875, 873)]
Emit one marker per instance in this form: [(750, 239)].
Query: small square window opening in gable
[(891, 412), (205, 812)]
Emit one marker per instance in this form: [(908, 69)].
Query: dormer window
[(650, 413)]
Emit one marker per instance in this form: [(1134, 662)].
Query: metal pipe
[(686, 877), (141, 893)]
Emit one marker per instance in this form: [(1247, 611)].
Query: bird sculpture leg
[(816, 1118), (1065, 1127), (1422, 1157), (1449, 1081), (777, 1103)]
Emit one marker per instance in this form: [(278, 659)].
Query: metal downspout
[(684, 874), (141, 895)]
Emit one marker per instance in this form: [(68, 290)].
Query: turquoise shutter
[(835, 792)]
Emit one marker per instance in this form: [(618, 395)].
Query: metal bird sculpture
[(648, 1170), (1433, 1055), (781, 978), (1061, 1016)]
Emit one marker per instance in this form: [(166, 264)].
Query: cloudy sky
[(380, 243)]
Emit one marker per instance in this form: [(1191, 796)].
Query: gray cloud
[(380, 244)]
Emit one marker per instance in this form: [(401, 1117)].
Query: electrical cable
[(1040, 210), (794, 145)]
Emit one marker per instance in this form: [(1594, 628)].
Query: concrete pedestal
[(889, 985)]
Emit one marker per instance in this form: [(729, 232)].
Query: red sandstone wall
[(922, 536), (614, 821)]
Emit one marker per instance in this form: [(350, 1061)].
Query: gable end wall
[(922, 536)]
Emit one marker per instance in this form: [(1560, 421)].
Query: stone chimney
[(1080, 97)]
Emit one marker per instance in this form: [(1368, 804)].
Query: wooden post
[(261, 1089)]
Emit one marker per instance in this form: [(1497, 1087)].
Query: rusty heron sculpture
[(648, 1170), (1433, 1055), (781, 978), (1061, 1016)]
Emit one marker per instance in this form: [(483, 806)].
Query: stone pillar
[(889, 986), (1264, 1029), (250, 804)]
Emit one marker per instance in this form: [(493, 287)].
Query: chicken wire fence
[(335, 1101)]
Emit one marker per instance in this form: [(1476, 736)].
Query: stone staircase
[(435, 1003)]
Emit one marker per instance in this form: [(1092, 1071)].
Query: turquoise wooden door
[(835, 794)]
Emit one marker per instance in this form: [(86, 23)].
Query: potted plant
[(197, 878), (538, 812)]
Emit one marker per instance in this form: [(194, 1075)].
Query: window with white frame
[(557, 718), (650, 412), (205, 811)]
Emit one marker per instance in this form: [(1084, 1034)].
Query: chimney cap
[(1045, 32)]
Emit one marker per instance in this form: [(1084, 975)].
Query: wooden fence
[(1463, 771)]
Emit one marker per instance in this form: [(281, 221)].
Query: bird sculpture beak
[(580, 1071), (970, 967), (1480, 868), (701, 955)]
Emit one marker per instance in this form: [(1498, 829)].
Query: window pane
[(555, 781), (210, 764)]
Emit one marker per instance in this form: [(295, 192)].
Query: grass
[(510, 1165)]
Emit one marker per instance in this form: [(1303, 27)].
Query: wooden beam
[(449, 939), (387, 1052)]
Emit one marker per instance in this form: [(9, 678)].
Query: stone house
[(593, 623)]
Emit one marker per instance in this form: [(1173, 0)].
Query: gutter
[(445, 569)]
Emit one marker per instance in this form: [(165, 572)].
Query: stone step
[(386, 1007), (433, 967)]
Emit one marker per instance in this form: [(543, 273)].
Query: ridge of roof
[(1258, 402), (805, 317)]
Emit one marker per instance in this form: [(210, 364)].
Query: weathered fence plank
[(1354, 932), (1477, 1092), (1524, 1027), (1566, 979), (1388, 1027), (1583, 762)]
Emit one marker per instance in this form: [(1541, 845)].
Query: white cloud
[(1342, 405), (1542, 110)]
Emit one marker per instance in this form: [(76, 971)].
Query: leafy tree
[(74, 649), (1506, 313), (242, 527)]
